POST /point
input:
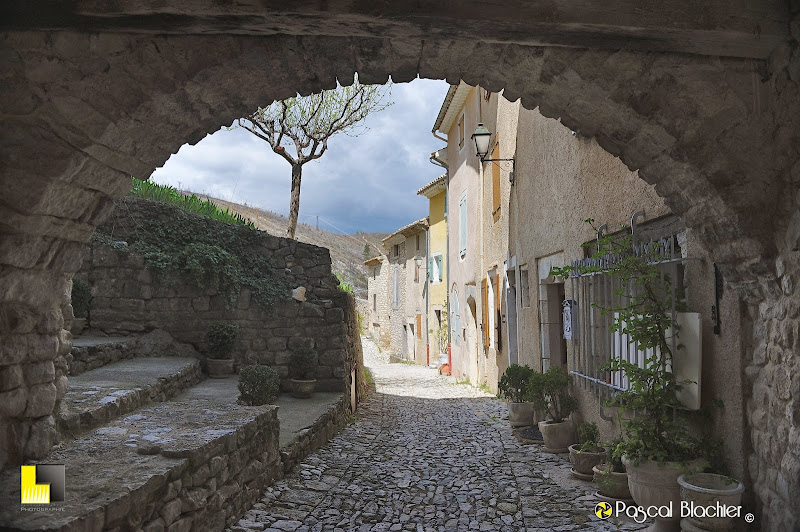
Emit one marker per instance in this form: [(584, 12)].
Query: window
[(419, 325), (436, 268), (455, 318), (417, 266), (396, 250), (374, 302), (375, 272), (525, 295), (462, 225), (417, 242), (461, 134), (396, 284), (496, 183)]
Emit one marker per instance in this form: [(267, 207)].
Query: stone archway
[(719, 138)]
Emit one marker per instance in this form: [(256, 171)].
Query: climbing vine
[(201, 251)]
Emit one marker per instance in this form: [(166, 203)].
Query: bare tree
[(306, 123)]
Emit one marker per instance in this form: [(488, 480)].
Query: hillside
[(347, 251)]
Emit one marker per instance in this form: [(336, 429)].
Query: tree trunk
[(294, 205)]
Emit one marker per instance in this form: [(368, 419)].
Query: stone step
[(190, 463), (92, 352), (101, 395)]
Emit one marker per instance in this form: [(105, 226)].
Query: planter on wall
[(219, 368), (583, 461), (303, 389), (557, 436), (709, 489), (611, 484), (520, 414), (656, 484)]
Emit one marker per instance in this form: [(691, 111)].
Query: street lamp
[(481, 137)]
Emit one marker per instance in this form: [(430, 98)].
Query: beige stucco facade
[(378, 299), (561, 180), (517, 229)]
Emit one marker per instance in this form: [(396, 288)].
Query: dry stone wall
[(130, 297)]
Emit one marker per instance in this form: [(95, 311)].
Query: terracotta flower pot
[(709, 489), (219, 368), (303, 389), (520, 414), (557, 436), (656, 484), (610, 483), (584, 461)]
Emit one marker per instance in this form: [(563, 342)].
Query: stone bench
[(177, 465), (101, 395)]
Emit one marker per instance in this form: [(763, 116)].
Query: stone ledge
[(315, 436), (92, 353), (101, 395), (209, 463)]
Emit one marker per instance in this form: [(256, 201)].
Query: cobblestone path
[(426, 454)]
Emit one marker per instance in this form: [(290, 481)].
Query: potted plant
[(512, 386), (548, 393), (610, 476), (710, 489), (220, 341), (81, 298), (587, 453), (303, 372), (258, 385), (658, 446)]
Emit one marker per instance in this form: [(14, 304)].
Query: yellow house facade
[(436, 307)]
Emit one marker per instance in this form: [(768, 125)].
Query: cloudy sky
[(365, 183)]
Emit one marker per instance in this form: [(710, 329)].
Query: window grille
[(594, 343)]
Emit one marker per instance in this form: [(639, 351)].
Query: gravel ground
[(427, 454)]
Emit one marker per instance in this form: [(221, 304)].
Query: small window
[(396, 250), (462, 225), (461, 131), (417, 266), (417, 242), (436, 268), (374, 302), (524, 288), (396, 284)]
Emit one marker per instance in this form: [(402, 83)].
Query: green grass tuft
[(171, 196)]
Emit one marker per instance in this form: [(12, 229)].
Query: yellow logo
[(602, 510), (42, 484)]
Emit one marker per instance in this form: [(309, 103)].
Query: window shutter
[(497, 312), (430, 268), (419, 325), (485, 312), (462, 225), (439, 264)]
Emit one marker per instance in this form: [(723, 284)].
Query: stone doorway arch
[(89, 100)]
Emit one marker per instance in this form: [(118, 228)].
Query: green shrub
[(549, 393), (344, 286), (258, 385), (514, 381), (588, 434), (221, 339), (81, 298), (303, 364)]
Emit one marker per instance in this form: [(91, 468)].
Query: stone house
[(396, 288), (378, 300), (435, 318), (511, 229)]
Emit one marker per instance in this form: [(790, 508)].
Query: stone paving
[(426, 454)]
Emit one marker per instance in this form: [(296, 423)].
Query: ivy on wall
[(202, 251)]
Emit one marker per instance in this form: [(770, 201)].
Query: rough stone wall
[(397, 312), (129, 298)]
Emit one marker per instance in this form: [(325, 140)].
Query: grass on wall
[(171, 196)]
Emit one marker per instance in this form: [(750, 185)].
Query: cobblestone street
[(427, 454)]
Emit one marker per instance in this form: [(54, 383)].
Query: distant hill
[(347, 251)]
